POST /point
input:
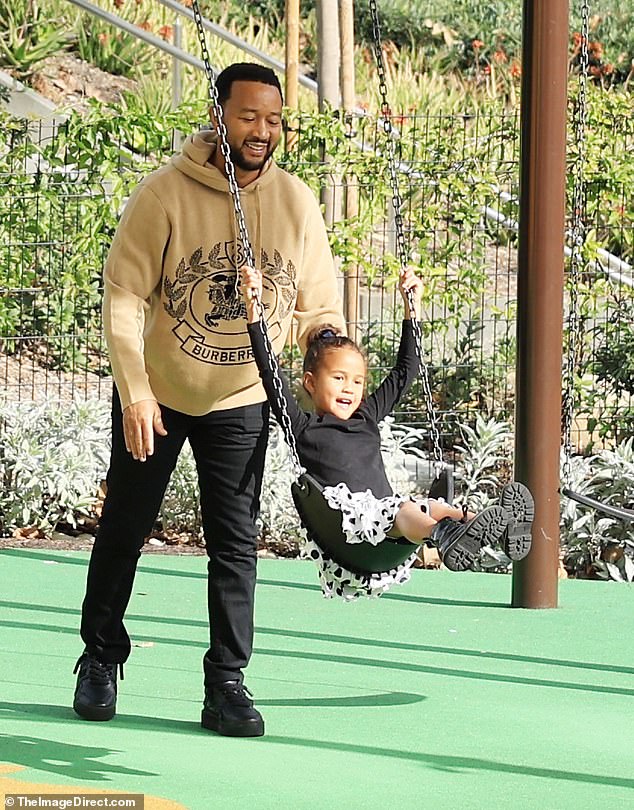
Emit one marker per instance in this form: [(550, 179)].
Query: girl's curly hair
[(322, 339)]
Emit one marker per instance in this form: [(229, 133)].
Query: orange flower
[(145, 25), (165, 32), (516, 70), (608, 69), (103, 37), (118, 3), (477, 44), (595, 49), (500, 57)]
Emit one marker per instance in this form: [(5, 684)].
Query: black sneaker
[(228, 709), (96, 691), (518, 503), (459, 541)]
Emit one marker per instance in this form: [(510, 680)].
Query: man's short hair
[(244, 72)]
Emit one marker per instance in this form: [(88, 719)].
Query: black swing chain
[(577, 236), (401, 244), (247, 248), (221, 129), (402, 252)]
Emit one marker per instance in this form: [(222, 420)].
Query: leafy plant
[(614, 356), (113, 50), (52, 460), (484, 455), (594, 544), (28, 35)]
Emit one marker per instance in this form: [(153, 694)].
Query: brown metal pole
[(540, 291)]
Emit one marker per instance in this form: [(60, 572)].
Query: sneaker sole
[(486, 527), (97, 713), (518, 503), (247, 728)]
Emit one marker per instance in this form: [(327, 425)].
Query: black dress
[(344, 455)]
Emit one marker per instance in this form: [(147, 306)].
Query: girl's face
[(336, 387)]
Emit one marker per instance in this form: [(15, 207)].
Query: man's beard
[(238, 159)]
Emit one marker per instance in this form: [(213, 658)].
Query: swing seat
[(442, 487), (323, 525)]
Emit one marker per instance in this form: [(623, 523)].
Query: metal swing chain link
[(249, 257), (224, 143), (401, 244), (286, 425), (577, 240)]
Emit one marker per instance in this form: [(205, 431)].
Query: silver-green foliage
[(52, 460), (481, 469), (485, 449), (54, 456), (607, 476)]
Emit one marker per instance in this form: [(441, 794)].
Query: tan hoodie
[(174, 323)]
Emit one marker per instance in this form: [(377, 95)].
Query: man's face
[(253, 118)]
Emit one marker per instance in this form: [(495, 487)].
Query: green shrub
[(53, 458), (593, 544), (28, 34)]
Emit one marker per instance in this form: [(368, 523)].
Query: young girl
[(339, 444)]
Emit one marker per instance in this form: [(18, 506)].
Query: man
[(180, 354)]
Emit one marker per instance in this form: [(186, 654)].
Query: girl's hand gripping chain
[(251, 286), (411, 288)]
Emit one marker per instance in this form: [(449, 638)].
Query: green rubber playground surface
[(436, 696)]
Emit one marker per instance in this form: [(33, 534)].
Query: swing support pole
[(540, 291)]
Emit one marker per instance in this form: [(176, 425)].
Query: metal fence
[(62, 189)]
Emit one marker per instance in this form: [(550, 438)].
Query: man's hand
[(140, 421)]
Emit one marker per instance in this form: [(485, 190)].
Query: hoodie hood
[(195, 161)]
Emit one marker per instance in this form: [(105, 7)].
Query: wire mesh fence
[(63, 187)]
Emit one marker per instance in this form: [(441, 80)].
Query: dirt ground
[(69, 82), (60, 541)]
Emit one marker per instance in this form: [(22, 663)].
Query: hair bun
[(326, 334)]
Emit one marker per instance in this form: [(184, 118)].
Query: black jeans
[(229, 447)]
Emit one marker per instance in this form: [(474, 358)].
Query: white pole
[(177, 79)]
